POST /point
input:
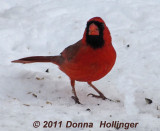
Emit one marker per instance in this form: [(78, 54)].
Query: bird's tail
[(58, 60)]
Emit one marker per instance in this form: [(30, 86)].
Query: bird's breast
[(90, 65)]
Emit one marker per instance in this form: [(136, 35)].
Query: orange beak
[(93, 29)]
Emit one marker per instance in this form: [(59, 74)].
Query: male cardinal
[(88, 60)]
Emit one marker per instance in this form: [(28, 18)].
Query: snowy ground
[(46, 27)]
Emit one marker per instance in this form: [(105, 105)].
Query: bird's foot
[(76, 99), (100, 96)]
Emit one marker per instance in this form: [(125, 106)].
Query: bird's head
[(96, 33)]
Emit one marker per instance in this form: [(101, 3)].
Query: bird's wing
[(71, 51)]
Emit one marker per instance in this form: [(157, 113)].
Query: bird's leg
[(75, 98), (100, 93)]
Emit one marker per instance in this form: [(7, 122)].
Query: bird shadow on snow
[(40, 89)]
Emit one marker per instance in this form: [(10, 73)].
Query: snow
[(38, 27)]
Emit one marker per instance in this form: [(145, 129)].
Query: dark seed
[(34, 95), (26, 105), (149, 101), (47, 70), (88, 109)]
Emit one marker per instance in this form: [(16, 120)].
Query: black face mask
[(95, 41)]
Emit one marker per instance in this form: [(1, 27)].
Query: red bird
[(88, 60)]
